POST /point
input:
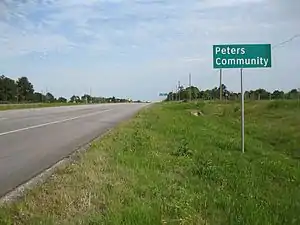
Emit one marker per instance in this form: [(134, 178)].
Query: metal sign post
[(221, 91), (242, 115), (190, 84), (241, 56)]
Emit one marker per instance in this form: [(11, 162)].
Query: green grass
[(31, 105), (167, 166)]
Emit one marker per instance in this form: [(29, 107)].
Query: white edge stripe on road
[(51, 123), (2, 118)]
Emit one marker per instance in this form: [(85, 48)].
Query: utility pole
[(221, 91), (17, 95), (91, 95), (5, 92), (190, 84), (178, 90), (42, 96), (46, 95), (298, 96)]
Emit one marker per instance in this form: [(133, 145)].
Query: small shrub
[(236, 109), (274, 105), (280, 104), (183, 149), (200, 105)]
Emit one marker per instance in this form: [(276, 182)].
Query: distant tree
[(205, 95), (50, 98), (252, 95), (170, 96), (25, 89), (262, 94), (293, 94), (62, 100), (38, 97), (98, 99), (86, 98), (247, 95), (217, 92), (185, 93), (278, 94), (8, 89), (234, 96), (195, 92), (180, 88), (75, 99)]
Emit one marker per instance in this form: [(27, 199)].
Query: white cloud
[(141, 37), (16, 43), (194, 59), (227, 3)]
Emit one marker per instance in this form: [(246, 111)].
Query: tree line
[(214, 94), (22, 91)]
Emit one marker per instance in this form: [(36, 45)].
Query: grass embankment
[(168, 167), (31, 105)]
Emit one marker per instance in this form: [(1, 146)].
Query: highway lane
[(31, 140)]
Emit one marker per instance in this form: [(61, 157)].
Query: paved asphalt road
[(31, 140)]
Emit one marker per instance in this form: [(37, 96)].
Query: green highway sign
[(242, 56), (163, 94)]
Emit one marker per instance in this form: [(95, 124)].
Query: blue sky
[(138, 48)]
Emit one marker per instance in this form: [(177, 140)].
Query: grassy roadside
[(32, 105), (166, 166)]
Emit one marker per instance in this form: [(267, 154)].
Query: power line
[(190, 84), (287, 41)]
